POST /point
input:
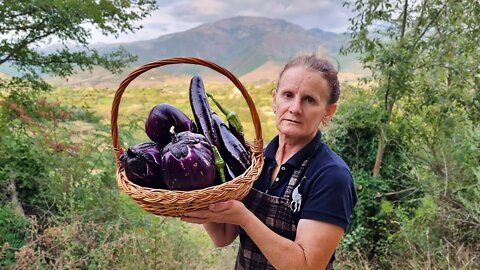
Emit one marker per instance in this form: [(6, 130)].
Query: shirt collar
[(297, 159)]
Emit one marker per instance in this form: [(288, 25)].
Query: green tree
[(28, 25), (423, 57), (409, 46)]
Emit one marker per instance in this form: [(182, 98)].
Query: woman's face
[(301, 104)]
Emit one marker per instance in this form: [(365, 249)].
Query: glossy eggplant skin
[(187, 162), (234, 123), (201, 111), (232, 150), (237, 135), (161, 118)]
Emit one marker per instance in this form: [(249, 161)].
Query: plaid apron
[(275, 212)]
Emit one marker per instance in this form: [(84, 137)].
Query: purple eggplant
[(187, 162), (231, 149), (142, 165), (201, 110), (161, 118), (203, 117), (234, 124)]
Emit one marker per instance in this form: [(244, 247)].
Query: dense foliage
[(71, 214), (27, 25), (410, 133), (414, 133)]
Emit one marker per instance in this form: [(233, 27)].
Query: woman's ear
[(274, 93), (331, 109)]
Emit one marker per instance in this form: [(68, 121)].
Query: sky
[(176, 16)]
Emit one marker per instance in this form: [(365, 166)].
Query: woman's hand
[(312, 248), (229, 212)]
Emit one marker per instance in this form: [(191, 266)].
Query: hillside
[(244, 45)]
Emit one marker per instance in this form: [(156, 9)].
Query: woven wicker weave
[(175, 203)]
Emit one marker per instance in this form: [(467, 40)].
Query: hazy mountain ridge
[(240, 44)]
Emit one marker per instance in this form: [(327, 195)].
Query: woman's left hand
[(230, 212)]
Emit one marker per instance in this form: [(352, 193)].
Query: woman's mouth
[(292, 121)]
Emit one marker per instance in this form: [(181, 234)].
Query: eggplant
[(232, 150), (201, 110), (161, 118), (234, 124), (203, 117), (142, 165), (187, 162)]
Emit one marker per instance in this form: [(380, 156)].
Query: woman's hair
[(324, 67)]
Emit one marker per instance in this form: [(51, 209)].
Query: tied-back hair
[(324, 67)]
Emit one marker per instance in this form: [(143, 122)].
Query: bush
[(354, 136), (13, 234)]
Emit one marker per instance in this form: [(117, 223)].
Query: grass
[(136, 103)]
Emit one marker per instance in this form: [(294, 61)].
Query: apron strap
[(297, 178)]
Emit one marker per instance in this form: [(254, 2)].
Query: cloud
[(216, 9), (326, 14), (175, 16)]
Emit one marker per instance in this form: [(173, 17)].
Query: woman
[(299, 208)]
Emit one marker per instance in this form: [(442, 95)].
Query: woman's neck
[(287, 148)]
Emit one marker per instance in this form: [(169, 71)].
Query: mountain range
[(252, 48)]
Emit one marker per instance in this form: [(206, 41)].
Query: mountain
[(250, 47), (241, 44)]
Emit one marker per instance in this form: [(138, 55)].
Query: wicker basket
[(175, 203)]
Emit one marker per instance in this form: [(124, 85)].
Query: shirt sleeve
[(330, 196)]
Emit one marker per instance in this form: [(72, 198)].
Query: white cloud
[(174, 16)]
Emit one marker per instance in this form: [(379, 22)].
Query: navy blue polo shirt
[(328, 192)]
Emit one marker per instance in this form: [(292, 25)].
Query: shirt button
[(282, 168), (276, 179)]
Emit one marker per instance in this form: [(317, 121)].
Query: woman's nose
[(295, 106)]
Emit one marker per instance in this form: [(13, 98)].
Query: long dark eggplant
[(201, 110), (232, 150), (234, 124), (203, 118)]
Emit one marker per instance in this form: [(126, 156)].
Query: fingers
[(221, 212), (220, 206), (197, 214), (193, 220), (198, 217)]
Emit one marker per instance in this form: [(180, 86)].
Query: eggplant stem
[(219, 163), (231, 116), (173, 134)]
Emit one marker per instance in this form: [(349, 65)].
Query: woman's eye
[(310, 100)]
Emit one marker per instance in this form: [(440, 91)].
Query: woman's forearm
[(281, 252), (314, 243), (221, 234)]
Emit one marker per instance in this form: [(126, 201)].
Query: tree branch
[(5, 59), (12, 189), (24, 43), (404, 20), (412, 189), (427, 27)]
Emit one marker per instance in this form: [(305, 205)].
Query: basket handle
[(258, 142)]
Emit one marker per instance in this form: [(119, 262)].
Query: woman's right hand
[(217, 221), (230, 212)]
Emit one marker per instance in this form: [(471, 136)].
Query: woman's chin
[(293, 133)]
